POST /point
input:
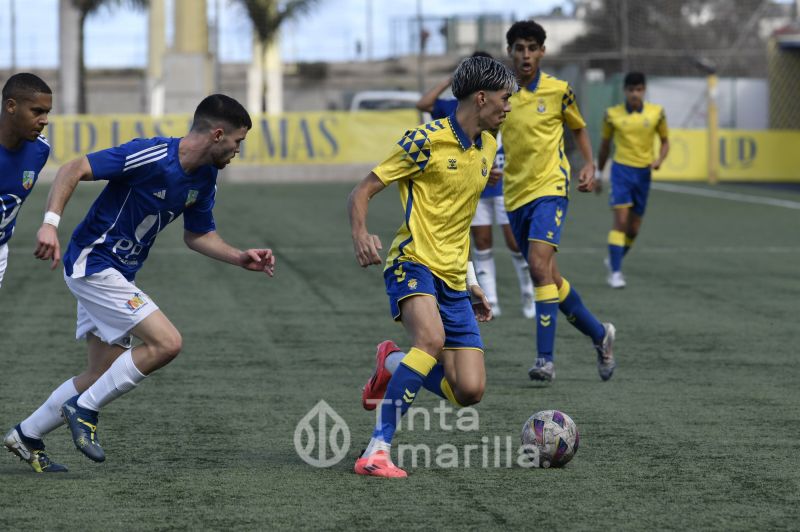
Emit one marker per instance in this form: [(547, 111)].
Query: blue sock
[(616, 249), (433, 382), (546, 317), (401, 391), (578, 315)]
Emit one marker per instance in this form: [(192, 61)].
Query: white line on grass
[(733, 196)]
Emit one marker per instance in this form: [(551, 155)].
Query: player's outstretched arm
[(365, 245), (212, 245), (67, 178), (428, 100), (586, 174)]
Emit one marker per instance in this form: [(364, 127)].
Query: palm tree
[(85, 8), (267, 16)]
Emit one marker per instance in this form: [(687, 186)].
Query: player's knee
[(432, 342), (540, 272), (170, 345), (470, 394)]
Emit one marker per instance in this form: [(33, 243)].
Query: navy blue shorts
[(408, 279), (630, 187), (540, 220)]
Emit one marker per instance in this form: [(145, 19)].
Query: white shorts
[(491, 210), (3, 261), (109, 306)]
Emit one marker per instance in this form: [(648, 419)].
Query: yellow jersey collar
[(463, 140)]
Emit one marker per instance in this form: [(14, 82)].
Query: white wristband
[(52, 218), (472, 279)]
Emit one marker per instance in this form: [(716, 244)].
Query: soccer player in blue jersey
[(440, 169), (536, 189), (491, 209), (633, 126), (151, 182), (27, 100)]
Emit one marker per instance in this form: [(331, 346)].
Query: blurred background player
[(491, 209), (536, 189), (632, 126), (428, 257), (27, 100), (151, 182)]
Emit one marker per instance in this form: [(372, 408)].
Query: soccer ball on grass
[(554, 435)]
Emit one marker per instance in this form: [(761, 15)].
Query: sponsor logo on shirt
[(191, 197)]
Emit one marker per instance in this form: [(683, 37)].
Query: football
[(554, 435)]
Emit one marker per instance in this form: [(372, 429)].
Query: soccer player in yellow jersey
[(440, 169), (633, 127), (536, 189)]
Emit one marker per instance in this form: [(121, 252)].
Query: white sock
[(485, 272), (523, 273), (48, 416), (120, 378), (376, 445), (393, 361)]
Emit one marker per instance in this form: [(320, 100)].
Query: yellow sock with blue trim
[(616, 249), (401, 391), (577, 314), (546, 314), (628, 244)]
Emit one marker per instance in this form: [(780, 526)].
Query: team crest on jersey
[(646, 122), (27, 179), (484, 167), (412, 284), (136, 302), (452, 164), (191, 197), (540, 106)]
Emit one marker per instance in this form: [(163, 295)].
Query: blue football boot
[(31, 451), (82, 422)]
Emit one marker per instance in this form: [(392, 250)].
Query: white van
[(384, 100)]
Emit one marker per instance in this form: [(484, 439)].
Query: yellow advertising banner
[(744, 155), (290, 138), (340, 137)]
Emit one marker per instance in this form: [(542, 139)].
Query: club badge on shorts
[(136, 302)]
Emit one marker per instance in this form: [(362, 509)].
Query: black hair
[(481, 74), (634, 78), (525, 29), (220, 108), (24, 85), (481, 53)]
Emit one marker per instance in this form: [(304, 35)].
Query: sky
[(117, 37)]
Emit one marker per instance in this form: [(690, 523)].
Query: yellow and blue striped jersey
[(634, 132), (440, 173), (533, 140)]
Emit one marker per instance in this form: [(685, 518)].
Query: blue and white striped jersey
[(19, 171), (147, 189)]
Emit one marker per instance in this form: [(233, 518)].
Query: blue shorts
[(540, 220), (629, 187), (409, 279)]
